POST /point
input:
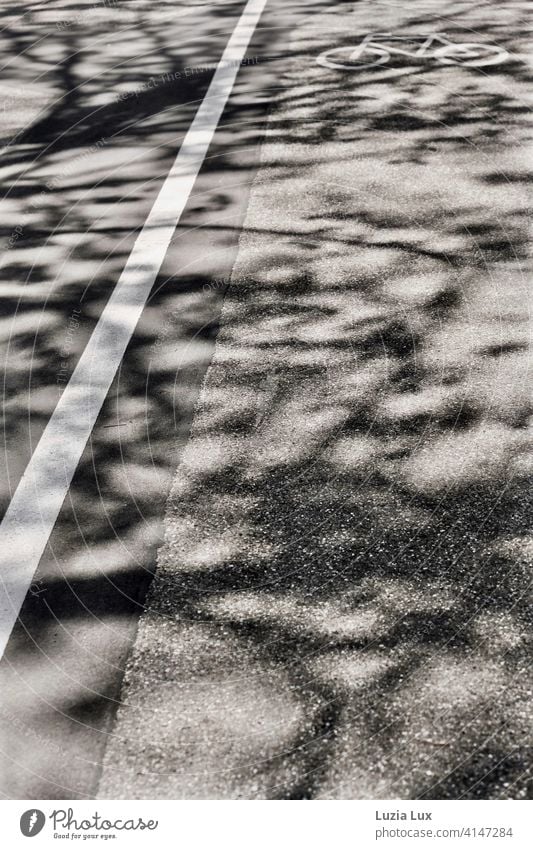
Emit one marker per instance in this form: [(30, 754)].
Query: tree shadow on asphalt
[(351, 507)]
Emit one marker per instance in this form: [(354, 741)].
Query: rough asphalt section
[(342, 605)]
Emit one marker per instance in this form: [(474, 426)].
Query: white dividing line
[(36, 503)]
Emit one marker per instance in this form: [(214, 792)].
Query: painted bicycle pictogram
[(378, 48)]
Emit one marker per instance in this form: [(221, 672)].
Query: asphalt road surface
[(294, 560)]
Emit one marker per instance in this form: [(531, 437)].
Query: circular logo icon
[(32, 822)]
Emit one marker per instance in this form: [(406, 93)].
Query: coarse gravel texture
[(342, 606)]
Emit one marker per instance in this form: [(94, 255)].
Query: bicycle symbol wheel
[(471, 55), (353, 58)]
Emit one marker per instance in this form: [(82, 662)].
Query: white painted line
[(36, 503)]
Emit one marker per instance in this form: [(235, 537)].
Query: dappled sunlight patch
[(368, 613), (460, 459), (449, 682), (518, 549), (218, 533), (501, 385), (143, 481), (497, 632), (124, 553), (292, 434), (328, 618), (172, 356), (402, 597), (210, 552), (224, 409), (511, 560), (256, 716), (204, 684), (352, 670), (211, 454), (240, 355), (431, 401), (28, 322), (355, 383), (40, 402), (354, 453), (419, 289)]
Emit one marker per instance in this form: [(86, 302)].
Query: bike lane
[(342, 606)]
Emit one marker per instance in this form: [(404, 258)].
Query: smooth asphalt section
[(342, 606), (82, 180), (34, 508)]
